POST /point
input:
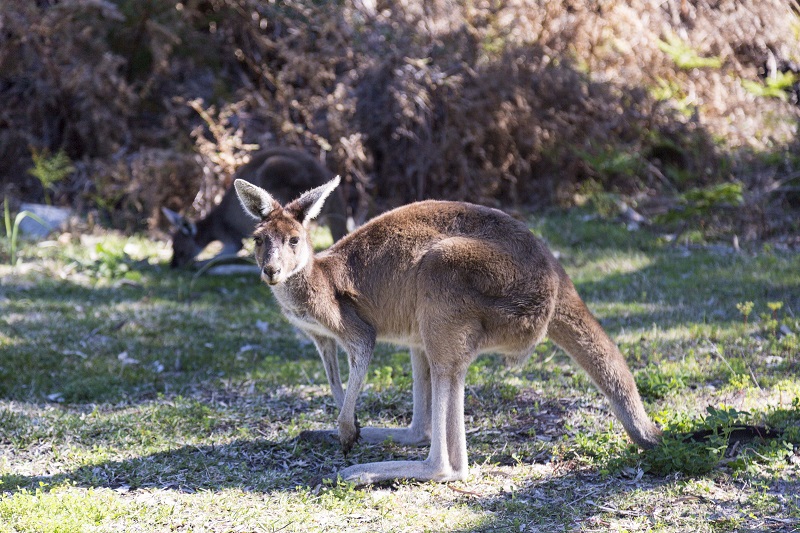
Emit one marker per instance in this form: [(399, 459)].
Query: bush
[(509, 103)]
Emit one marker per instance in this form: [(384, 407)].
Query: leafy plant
[(668, 90), (49, 170), (12, 229), (703, 199), (609, 162), (684, 56), (655, 384), (590, 193), (679, 453), (109, 260), (721, 420), (775, 307), (700, 202), (772, 87), (382, 378), (114, 263), (745, 308)]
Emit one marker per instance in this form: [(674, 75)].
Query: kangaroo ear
[(179, 222), (309, 205), (257, 202), (174, 218)]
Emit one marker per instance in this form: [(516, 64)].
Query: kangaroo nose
[(270, 271)]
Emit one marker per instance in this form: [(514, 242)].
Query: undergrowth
[(147, 104)]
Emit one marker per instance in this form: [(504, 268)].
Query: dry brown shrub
[(219, 156), (514, 102), (66, 89), (128, 192)]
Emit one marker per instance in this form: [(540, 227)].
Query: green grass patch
[(137, 398)]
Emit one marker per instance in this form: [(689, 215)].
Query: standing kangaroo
[(285, 171), (450, 280)]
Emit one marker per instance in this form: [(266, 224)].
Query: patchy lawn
[(133, 398)]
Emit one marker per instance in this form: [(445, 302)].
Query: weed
[(382, 378), (696, 209), (12, 230), (739, 380), (677, 454), (701, 200), (611, 162), (684, 56), (775, 307), (776, 87), (655, 384), (668, 90), (109, 261), (745, 308), (592, 193), (50, 169)]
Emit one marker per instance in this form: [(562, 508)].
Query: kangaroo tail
[(574, 328)]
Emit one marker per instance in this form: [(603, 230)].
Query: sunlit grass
[(137, 398)]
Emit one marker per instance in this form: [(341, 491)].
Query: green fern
[(684, 56), (49, 170)]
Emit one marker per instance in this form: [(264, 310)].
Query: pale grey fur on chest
[(307, 323)]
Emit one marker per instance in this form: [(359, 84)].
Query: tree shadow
[(249, 465), (130, 341), (678, 287), (268, 464)]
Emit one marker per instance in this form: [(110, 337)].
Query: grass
[(133, 398)]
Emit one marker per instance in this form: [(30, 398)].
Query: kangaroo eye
[(294, 240), (258, 240)]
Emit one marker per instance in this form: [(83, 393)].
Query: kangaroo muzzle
[(270, 274)]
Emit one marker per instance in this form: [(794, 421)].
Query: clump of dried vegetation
[(508, 103)]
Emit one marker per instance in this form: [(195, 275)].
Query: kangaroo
[(286, 171), (450, 280)]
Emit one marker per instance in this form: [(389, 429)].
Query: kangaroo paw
[(349, 435)]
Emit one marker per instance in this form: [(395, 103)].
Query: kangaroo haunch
[(449, 280)]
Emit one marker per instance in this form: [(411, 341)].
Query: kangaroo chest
[(300, 315), (309, 324)]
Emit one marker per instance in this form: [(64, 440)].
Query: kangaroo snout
[(269, 273)]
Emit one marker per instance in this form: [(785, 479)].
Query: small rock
[(51, 219)]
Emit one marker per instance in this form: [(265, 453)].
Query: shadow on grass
[(677, 290), (65, 339), (250, 465), (567, 494), (81, 344), (267, 466)]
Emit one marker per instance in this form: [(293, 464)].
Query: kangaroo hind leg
[(419, 432), (447, 458)]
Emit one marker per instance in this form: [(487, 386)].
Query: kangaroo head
[(282, 239), (184, 244)]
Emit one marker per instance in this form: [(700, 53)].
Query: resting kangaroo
[(450, 280), (285, 171)]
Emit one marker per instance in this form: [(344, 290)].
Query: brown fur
[(286, 172), (451, 280)]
